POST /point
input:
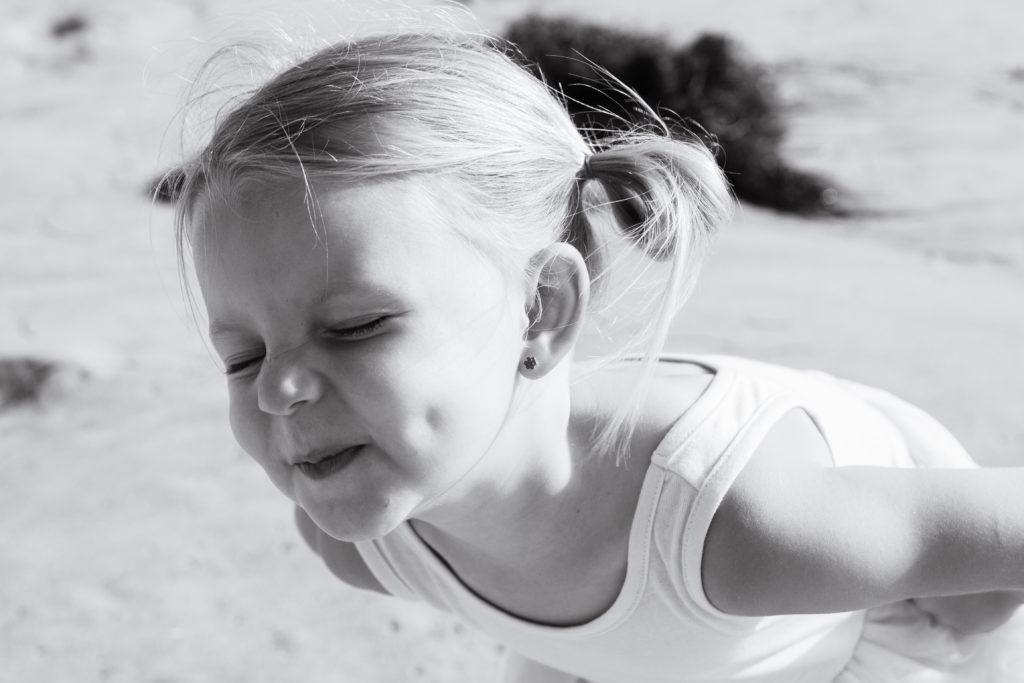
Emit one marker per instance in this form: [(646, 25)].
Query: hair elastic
[(586, 172)]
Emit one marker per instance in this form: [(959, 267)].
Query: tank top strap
[(708, 448), (736, 409)]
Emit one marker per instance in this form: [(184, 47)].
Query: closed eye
[(239, 365), (355, 332), (365, 330)]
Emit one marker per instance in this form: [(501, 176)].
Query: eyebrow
[(359, 293)]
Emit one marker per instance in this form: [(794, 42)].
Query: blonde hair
[(459, 106)]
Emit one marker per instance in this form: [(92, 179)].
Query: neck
[(510, 506)]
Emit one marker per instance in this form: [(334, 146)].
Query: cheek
[(253, 435), (242, 420), (441, 403), (472, 396)]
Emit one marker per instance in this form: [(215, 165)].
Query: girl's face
[(370, 366)]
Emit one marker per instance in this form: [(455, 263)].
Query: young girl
[(398, 241)]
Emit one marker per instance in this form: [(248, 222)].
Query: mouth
[(321, 466)]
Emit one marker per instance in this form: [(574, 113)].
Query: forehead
[(396, 216), (267, 244)]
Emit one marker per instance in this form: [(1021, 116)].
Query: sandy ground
[(138, 543)]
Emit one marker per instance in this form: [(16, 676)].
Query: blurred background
[(138, 544)]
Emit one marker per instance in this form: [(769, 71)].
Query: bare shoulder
[(341, 557), (795, 535), (749, 550)]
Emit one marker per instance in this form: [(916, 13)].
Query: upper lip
[(315, 455)]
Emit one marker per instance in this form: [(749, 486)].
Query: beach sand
[(140, 545)]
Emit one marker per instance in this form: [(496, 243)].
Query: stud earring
[(530, 363)]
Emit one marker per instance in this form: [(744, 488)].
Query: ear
[(558, 300)]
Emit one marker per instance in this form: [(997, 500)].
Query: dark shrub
[(22, 380), (708, 83)]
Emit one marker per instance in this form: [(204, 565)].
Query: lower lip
[(331, 464)]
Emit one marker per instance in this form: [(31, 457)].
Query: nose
[(287, 382)]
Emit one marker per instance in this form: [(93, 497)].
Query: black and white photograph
[(509, 341)]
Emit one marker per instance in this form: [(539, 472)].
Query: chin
[(351, 528)]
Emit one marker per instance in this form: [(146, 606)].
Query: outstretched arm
[(795, 535)]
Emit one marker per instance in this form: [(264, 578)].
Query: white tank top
[(661, 628)]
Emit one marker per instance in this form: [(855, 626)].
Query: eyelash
[(238, 366), (353, 333), (361, 330)]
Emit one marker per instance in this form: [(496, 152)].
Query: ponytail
[(666, 197)]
